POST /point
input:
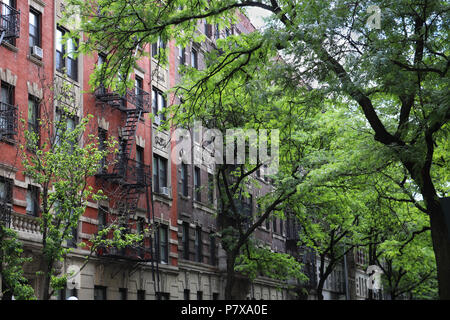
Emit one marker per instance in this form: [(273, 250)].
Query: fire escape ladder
[(129, 130)]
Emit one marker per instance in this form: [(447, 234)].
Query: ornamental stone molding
[(7, 76)]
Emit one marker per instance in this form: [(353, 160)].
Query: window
[(194, 59), (158, 47), (274, 223), (102, 217), (159, 173), (267, 224), (199, 295), (9, 20), (159, 105), (208, 30), (99, 293), (65, 55), (281, 226), (212, 248), (5, 190), (7, 110), (34, 29), (163, 244), (33, 118), (210, 188), (140, 164), (162, 296), (102, 138), (65, 123), (187, 294), (123, 293), (197, 186), (182, 54), (33, 201), (141, 294), (65, 293), (198, 245), (217, 31), (185, 240), (72, 242), (139, 91), (184, 180)]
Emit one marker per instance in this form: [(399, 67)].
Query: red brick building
[(182, 260)]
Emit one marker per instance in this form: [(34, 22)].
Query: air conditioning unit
[(157, 120), (164, 190), (37, 52)]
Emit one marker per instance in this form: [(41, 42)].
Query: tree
[(60, 156), (396, 75), (11, 267)]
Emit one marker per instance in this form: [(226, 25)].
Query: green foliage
[(363, 113), (256, 260), (60, 158), (11, 269)]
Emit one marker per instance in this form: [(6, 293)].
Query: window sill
[(163, 198), (66, 77), (10, 47), (10, 141), (35, 61), (199, 205), (183, 197)]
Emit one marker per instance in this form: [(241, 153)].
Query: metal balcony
[(139, 252), (8, 120), (137, 97), (128, 172), (9, 22)]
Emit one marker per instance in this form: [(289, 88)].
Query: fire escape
[(131, 178), (301, 253), (9, 22)]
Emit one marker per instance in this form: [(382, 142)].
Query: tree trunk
[(320, 288), (439, 231), (441, 246), (231, 258), (47, 278)]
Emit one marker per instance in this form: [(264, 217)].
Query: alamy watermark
[(374, 21), (238, 146)]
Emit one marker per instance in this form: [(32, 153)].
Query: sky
[(256, 16)]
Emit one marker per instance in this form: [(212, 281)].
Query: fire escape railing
[(9, 22), (8, 119), (137, 97), (133, 176)]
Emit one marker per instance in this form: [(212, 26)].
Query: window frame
[(34, 192), (212, 250), (198, 245), (66, 61), (194, 58), (163, 246), (102, 290), (185, 240), (9, 187), (158, 98), (197, 184), (123, 293), (36, 112), (33, 38), (159, 174), (211, 188), (184, 180), (7, 120)]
